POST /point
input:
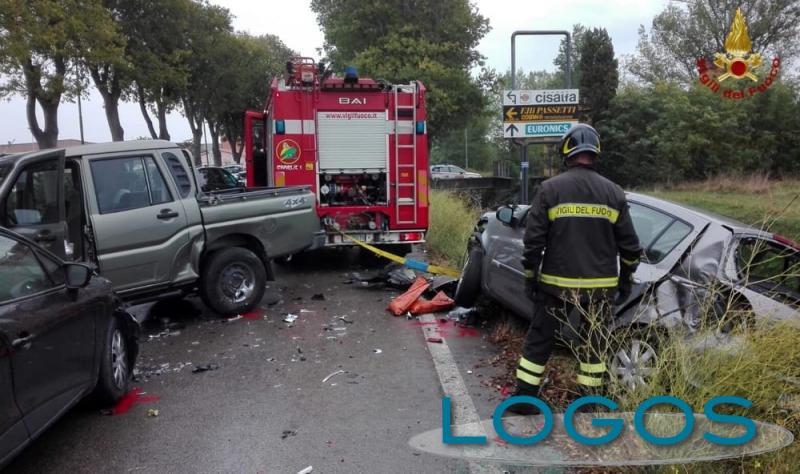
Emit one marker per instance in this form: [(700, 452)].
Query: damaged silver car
[(696, 266)]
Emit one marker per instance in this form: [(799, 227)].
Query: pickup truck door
[(12, 430), (33, 205), (140, 227), (51, 332)]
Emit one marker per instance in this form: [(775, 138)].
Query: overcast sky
[(296, 25)]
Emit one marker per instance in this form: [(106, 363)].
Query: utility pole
[(466, 150), (80, 109)]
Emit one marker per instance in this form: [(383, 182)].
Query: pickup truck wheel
[(115, 370), (469, 285), (233, 281)]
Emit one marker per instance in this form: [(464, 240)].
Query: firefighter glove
[(531, 283), (624, 288)]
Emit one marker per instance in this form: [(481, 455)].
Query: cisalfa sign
[(539, 113)]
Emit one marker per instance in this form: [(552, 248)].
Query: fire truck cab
[(361, 145)]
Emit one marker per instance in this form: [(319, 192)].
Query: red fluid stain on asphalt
[(500, 441), (134, 397), (253, 315), (446, 329)]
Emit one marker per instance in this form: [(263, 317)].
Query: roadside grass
[(765, 370), (452, 219), (754, 200)]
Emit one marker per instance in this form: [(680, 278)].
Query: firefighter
[(577, 228)]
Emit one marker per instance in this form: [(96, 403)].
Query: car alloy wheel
[(634, 363), (119, 359), (238, 282)]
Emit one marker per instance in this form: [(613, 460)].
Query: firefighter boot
[(529, 382), (590, 380)]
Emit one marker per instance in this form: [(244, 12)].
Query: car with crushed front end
[(696, 265), (64, 335), (135, 212)]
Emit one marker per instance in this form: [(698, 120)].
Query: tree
[(599, 77), (41, 45), (113, 74), (681, 34), (209, 38), (157, 47), (576, 47), (434, 42), (250, 64)]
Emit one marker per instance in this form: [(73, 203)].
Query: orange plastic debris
[(398, 306), (440, 302)]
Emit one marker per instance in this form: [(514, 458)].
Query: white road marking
[(453, 386)]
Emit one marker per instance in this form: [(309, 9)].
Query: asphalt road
[(266, 409)]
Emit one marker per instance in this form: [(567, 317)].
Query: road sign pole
[(523, 188), (524, 152)]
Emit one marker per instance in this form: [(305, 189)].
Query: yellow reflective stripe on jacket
[(528, 378), (630, 263), (530, 366), (583, 210), (590, 381), (579, 282), (598, 368)]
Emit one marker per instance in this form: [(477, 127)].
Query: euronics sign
[(536, 129)]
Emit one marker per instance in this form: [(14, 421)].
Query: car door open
[(34, 204)]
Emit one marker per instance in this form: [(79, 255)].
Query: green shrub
[(452, 219)]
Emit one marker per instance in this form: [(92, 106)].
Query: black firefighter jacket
[(577, 228)]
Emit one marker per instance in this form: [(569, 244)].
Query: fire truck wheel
[(469, 285), (233, 281)]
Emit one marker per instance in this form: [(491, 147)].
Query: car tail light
[(787, 241), (410, 236)]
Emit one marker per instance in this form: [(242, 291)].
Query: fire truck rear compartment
[(363, 189)]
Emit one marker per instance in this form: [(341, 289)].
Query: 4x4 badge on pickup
[(291, 203)]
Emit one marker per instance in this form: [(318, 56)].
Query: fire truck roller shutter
[(352, 141)]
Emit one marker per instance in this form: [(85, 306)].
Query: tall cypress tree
[(599, 77)]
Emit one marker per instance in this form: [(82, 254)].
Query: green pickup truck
[(133, 209)]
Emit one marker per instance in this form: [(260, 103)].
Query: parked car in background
[(238, 171), (451, 172), (693, 260), (213, 179), (133, 209), (63, 335)]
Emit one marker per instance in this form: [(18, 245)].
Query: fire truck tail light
[(420, 127), (280, 127), (408, 236)]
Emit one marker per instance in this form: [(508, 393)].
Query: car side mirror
[(77, 275), (505, 215)]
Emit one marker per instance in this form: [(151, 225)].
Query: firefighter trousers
[(550, 313)]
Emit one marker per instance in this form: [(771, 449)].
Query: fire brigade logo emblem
[(288, 151), (738, 62)]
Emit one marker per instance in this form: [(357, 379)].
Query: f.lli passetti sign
[(737, 62)]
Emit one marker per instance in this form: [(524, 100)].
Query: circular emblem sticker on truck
[(288, 151)]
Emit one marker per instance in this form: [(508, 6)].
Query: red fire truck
[(361, 145)]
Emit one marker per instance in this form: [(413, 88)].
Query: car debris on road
[(205, 368), (333, 374), (290, 318)]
